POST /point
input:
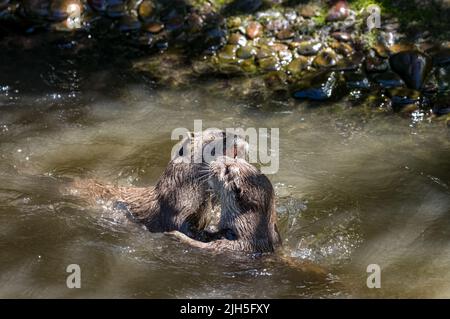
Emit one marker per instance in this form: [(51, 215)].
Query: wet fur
[(179, 201), (248, 217)]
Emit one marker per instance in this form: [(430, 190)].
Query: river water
[(354, 188)]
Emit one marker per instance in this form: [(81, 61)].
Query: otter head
[(205, 147), (247, 204)]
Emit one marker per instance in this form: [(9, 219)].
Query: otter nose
[(227, 169)]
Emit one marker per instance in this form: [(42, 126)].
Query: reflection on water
[(353, 189)]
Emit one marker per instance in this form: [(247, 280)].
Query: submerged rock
[(441, 57), (297, 65), (403, 97), (412, 66), (388, 80), (325, 59), (319, 87), (441, 105), (356, 81)]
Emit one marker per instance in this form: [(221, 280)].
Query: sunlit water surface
[(354, 188)]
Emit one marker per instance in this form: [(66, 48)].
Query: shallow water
[(354, 188)]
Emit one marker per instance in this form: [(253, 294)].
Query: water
[(354, 188)]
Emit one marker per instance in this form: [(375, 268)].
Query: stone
[(154, 27), (357, 81), (237, 38), (245, 52), (146, 10), (254, 29), (441, 105), (269, 64), (297, 65), (388, 79), (228, 53), (318, 87), (412, 66), (325, 59), (402, 97), (243, 6), (309, 11), (342, 36), (375, 64), (338, 11), (441, 57), (308, 48)]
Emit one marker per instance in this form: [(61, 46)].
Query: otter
[(181, 197), (248, 218)]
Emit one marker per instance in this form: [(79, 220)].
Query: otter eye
[(180, 152), (213, 152)]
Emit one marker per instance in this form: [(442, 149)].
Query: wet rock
[(276, 81), (412, 66), (248, 66), (319, 87), (285, 34), (338, 11), (212, 40), (277, 24), (254, 29), (285, 56), (351, 62), (388, 80), (154, 27), (381, 50), (401, 47), (297, 65), (234, 22), (441, 57), (375, 64), (308, 48), (237, 38), (309, 11), (245, 52), (356, 81), (265, 52), (342, 36), (146, 10), (116, 8), (443, 78), (325, 59), (342, 48), (402, 97), (269, 64), (228, 53), (243, 6), (195, 23), (290, 15), (441, 105), (129, 23)]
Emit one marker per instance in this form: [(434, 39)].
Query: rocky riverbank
[(306, 50)]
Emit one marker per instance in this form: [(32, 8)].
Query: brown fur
[(248, 217)]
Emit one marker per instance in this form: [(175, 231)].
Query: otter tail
[(94, 192)]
